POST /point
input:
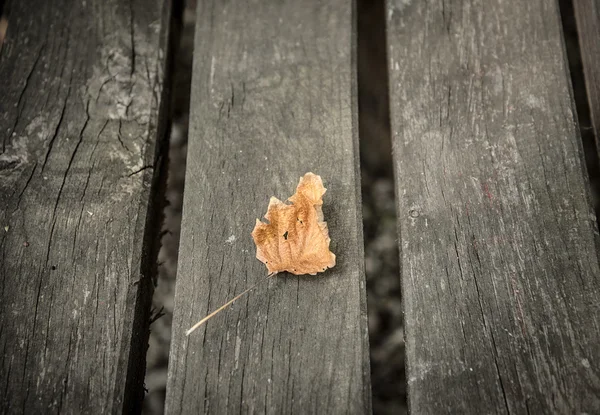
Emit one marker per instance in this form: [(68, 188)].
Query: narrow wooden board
[(273, 97), (497, 235), (587, 15), (81, 85)]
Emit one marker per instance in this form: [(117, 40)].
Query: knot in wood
[(414, 213)]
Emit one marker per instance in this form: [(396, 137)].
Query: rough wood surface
[(587, 14), (273, 97), (80, 84), (498, 239)]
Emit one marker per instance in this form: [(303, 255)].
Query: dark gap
[(149, 267), (386, 336), (157, 356), (582, 107), (3, 22)]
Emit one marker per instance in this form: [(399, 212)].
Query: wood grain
[(587, 15), (273, 97), (81, 85), (498, 238)]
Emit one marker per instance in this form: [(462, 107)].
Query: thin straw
[(224, 306)]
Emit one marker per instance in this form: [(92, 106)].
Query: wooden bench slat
[(273, 97), (498, 237), (587, 14), (81, 84)]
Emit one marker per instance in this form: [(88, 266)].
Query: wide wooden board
[(273, 97), (497, 235), (81, 85)]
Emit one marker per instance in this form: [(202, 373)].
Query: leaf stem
[(227, 304)]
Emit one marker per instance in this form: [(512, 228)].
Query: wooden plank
[(498, 238), (81, 85), (587, 15), (273, 97)]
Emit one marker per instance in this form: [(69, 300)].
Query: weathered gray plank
[(498, 239), (81, 84), (587, 14), (273, 96)]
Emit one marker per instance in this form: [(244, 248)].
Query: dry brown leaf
[(296, 238)]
